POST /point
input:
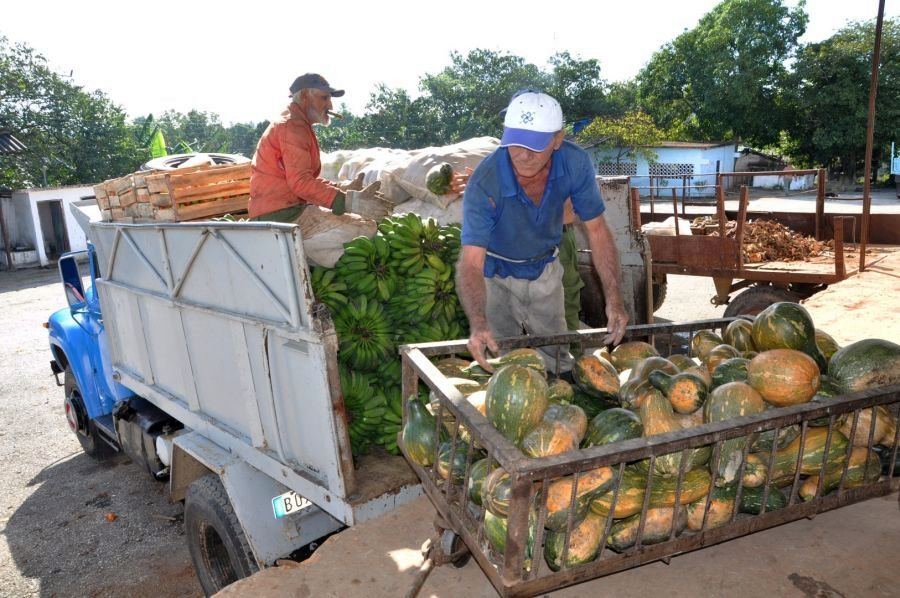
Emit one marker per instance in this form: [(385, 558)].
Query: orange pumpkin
[(784, 376)]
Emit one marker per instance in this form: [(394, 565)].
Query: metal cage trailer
[(521, 568)]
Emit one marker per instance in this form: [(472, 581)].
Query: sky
[(238, 60)]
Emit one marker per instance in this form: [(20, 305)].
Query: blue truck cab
[(78, 345), (106, 416)]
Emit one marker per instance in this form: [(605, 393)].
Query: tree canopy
[(739, 74), (724, 78), (830, 92)]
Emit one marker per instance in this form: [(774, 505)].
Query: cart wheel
[(659, 295), (451, 543), (755, 299)]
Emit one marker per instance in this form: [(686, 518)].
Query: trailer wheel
[(755, 299), (451, 543), (217, 544), (76, 414)]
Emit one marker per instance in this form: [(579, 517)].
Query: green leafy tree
[(72, 136), (629, 136), (577, 85), (467, 96), (831, 95), (724, 78)]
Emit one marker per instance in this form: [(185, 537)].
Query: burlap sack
[(324, 233), (468, 153)]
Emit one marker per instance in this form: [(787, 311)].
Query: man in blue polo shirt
[(509, 279)]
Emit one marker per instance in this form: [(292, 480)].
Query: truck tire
[(659, 294), (757, 298), (76, 414), (217, 544)]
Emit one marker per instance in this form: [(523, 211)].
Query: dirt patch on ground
[(70, 525)]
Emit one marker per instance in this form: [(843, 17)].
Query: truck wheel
[(219, 549), (659, 295), (755, 299), (77, 416)]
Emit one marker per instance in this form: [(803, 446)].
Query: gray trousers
[(535, 307)]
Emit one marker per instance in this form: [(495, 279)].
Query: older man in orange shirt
[(286, 166)]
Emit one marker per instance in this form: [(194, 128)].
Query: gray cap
[(314, 81)]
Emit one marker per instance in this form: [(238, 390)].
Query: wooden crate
[(195, 193)]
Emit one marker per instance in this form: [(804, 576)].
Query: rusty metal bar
[(720, 211), (820, 204), (517, 527), (839, 267), (870, 134), (635, 209), (769, 172), (741, 221)]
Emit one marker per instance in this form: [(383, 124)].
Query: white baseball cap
[(532, 119)]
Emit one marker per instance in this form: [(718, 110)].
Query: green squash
[(560, 391), (826, 343), (438, 178), (516, 400), (571, 415), (739, 334), (682, 362), (865, 364), (627, 355), (734, 399), (458, 469), (479, 470), (730, 370), (419, 437), (596, 376), (644, 367), (703, 341), (549, 438), (612, 426), (495, 528), (685, 391), (495, 492), (584, 542), (787, 325)]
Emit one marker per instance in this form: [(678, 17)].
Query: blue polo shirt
[(498, 216)]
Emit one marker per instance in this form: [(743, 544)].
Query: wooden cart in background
[(722, 258)]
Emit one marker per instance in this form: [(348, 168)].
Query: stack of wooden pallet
[(195, 193)]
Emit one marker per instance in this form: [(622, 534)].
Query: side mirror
[(71, 279)]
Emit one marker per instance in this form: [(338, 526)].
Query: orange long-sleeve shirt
[(286, 166)]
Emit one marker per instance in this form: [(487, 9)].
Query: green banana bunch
[(366, 268), (365, 334), (365, 409), (450, 243), (429, 294), (328, 288), (412, 241), (435, 330)]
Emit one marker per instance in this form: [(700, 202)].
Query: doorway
[(53, 229)]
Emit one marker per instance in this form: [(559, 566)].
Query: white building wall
[(702, 160), (27, 220)]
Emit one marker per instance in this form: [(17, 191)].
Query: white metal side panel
[(167, 353), (125, 331), (298, 392), (216, 319)]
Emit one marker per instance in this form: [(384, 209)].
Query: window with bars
[(670, 169), (617, 169)]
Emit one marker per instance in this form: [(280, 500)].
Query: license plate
[(288, 504)]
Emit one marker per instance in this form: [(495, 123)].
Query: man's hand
[(481, 341), (459, 179), (339, 204), (616, 320)]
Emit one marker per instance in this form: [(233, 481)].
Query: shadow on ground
[(101, 528)]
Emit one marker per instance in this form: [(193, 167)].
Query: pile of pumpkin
[(778, 360)]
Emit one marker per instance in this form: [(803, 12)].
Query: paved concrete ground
[(849, 552)]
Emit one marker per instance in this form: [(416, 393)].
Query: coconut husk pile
[(767, 241)]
